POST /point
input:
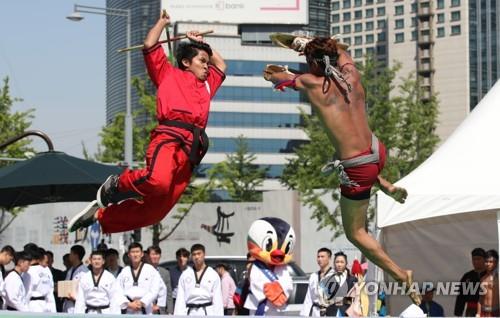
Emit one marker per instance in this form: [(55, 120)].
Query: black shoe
[(107, 190), (85, 218)]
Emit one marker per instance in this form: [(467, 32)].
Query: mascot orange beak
[(277, 256)]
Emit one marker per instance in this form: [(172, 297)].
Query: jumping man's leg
[(354, 221)]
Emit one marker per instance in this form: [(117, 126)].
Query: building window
[(358, 14), (413, 35), (346, 4), (358, 3), (335, 5), (368, 2), (455, 16), (440, 32), (380, 1), (370, 51), (381, 24), (335, 18), (400, 37), (347, 16), (358, 53), (380, 11), (455, 3), (380, 49), (369, 13), (399, 10), (440, 4), (369, 26), (241, 119), (347, 41), (413, 7), (400, 24), (358, 27), (369, 38), (440, 18), (414, 21), (381, 37), (455, 30), (335, 30), (358, 40), (346, 29)]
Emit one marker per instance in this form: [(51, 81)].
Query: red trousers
[(160, 183)]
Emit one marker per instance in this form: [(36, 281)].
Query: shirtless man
[(334, 88), (488, 303)]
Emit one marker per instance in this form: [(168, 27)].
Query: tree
[(112, 136), (12, 124), (404, 123), (238, 175)]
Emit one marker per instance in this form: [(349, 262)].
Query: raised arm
[(216, 59), (281, 78), (155, 32)]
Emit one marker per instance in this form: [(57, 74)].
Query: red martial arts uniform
[(177, 144)]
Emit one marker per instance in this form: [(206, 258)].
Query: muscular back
[(344, 116)]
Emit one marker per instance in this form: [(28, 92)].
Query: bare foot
[(397, 193), (413, 294)]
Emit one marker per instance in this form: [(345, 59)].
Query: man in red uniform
[(139, 198), (334, 88)]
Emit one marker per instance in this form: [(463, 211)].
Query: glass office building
[(144, 15)]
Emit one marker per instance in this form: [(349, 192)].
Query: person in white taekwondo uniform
[(199, 290), (314, 304), (6, 256), (76, 254), (138, 284), (96, 289), (41, 287), (16, 294)]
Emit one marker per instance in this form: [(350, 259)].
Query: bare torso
[(490, 283), (344, 119)]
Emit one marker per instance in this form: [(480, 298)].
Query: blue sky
[(58, 67)]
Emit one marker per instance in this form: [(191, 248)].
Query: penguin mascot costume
[(270, 241)]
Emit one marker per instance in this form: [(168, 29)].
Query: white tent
[(453, 204)]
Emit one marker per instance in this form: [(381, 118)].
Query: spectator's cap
[(478, 252)]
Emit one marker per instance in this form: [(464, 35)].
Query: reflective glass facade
[(256, 94), (255, 145), (144, 15), (273, 172), (483, 47), (239, 119), (255, 68)]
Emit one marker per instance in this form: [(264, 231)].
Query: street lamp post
[(76, 16)]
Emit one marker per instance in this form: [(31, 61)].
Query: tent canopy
[(463, 175), (452, 207)]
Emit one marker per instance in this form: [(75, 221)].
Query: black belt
[(38, 298), (197, 306), (98, 308), (199, 146), (124, 311)]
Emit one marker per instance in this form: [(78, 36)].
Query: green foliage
[(238, 175), (112, 136), (405, 124), (12, 124)]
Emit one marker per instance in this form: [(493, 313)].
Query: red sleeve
[(156, 63), (215, 79)]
